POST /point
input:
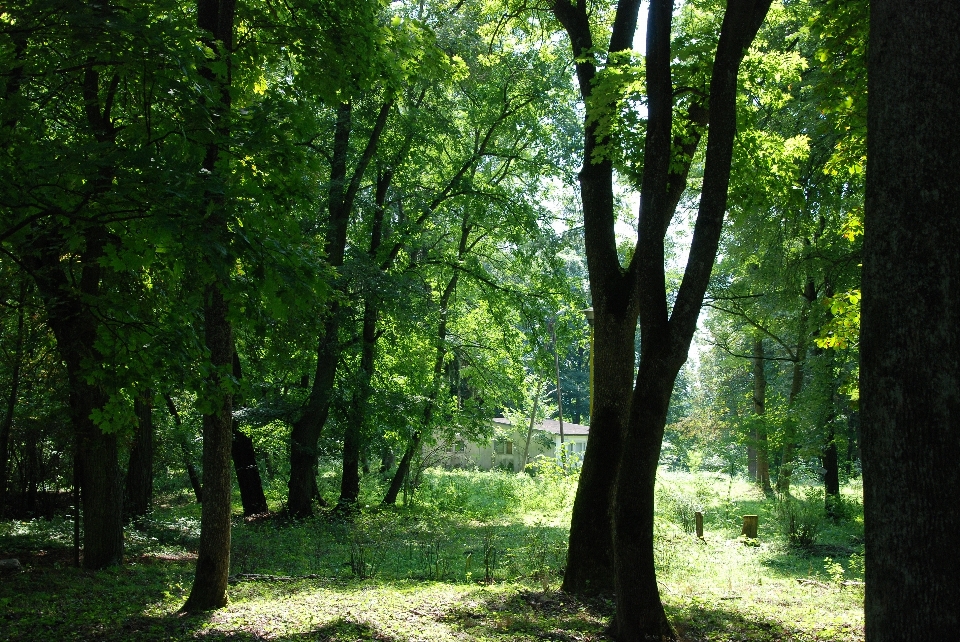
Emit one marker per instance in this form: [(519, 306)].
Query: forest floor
[(478, 556)]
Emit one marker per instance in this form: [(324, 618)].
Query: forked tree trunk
[(910, 334)]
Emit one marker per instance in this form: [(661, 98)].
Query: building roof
[(552, 426)]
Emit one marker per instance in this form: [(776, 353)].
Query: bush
[(801, 518)]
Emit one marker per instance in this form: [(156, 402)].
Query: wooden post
[(699, 518), (750, 524)]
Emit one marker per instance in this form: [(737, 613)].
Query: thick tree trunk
[(760, 408), (138, 489), (910, 333), (589, 568), (209, 591)]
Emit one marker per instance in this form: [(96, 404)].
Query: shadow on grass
[(707, 622), (531, 615)]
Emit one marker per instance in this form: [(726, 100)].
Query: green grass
[(475, 556)]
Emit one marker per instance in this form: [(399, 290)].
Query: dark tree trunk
[(352, 441), (306, 431), (248, 473), (910, 333), (760, 408), (245, 461), (184, 449), (138, 490), (403, 469), (7, 425), (209, 591)]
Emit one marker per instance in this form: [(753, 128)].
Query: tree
[(910, 323), (631, 434)]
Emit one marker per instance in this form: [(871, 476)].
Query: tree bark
[(138, 490), (209, 590), (790, 435), (910, 333)]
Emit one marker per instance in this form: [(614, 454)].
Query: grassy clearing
[(476, 556)]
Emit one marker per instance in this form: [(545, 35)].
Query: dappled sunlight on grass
[(418, 573)]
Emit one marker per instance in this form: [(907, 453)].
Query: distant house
[(506, 451)]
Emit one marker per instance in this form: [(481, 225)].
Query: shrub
[(801, 518)]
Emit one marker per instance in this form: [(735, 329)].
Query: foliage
[(801, 518)]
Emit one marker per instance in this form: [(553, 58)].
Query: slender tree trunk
[(245, 461), (910, 333), (138, 490), (790, 435), (209, 591), (343, 191), (7, 425), (353, 433), (759, 408), (184, 449), (403, 469), (533, 419)]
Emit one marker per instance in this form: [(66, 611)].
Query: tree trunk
[(759, 408), (589, 568), (910, 333), (790, 435), (7, 425), (209, 591), (184, 449), (245, 461), (138, 490), (306, 431), (533, 419), (353, 434), (403, 469)]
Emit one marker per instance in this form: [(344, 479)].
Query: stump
[(699, 518), (750, 524)]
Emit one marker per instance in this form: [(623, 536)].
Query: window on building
[(459, 447), (498, 447), (509, 447)]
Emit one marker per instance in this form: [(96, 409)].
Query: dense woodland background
[(324, 240)]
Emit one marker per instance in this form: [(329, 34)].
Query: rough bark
[(910, 333), (138, 488), (666, 336), (209, 590)]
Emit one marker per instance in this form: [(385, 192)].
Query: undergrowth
[(473, 556)]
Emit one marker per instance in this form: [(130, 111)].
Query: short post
[(699, 518), (750, 524)]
